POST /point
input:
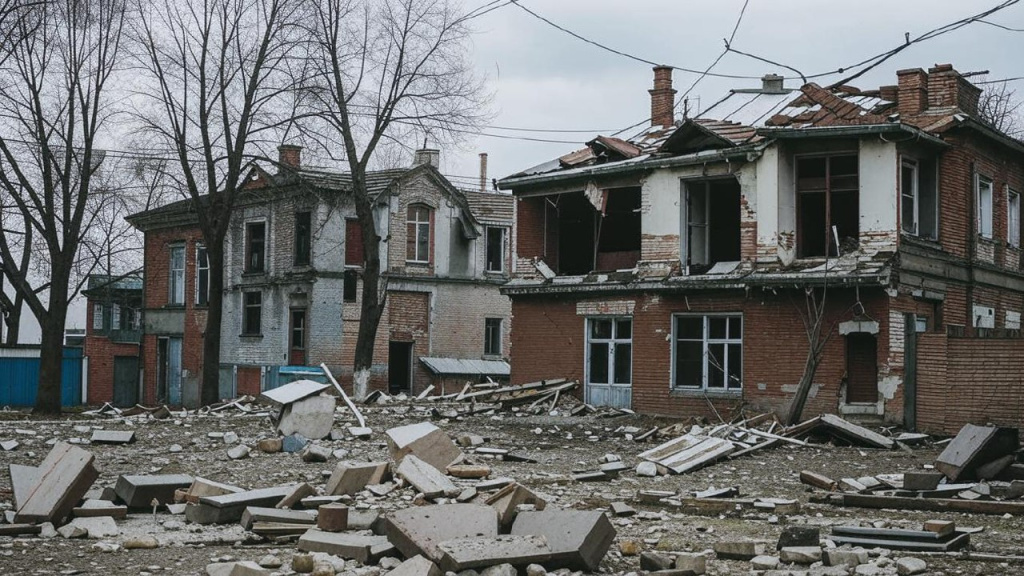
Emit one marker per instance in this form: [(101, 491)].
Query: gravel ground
[(559, 443)]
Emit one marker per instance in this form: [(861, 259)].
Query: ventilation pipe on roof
[(772, 84), (662, 98)]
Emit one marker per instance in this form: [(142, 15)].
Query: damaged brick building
[(669, 272), (293, 257)]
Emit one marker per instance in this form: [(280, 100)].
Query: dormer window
[(418, 234)]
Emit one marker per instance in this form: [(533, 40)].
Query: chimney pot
[(430, 156), (772, 84), (289, 155), (662, 98)]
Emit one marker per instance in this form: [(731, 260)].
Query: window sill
[(497, 357), (417, 264), (249, 274), (701, 393), (250, 336), (174, 306)]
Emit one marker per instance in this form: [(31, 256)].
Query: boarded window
[(303, 237), (353, 242)]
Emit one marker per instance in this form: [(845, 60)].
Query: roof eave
[(790, 133)]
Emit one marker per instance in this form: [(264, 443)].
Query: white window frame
[(245, 314), (498, 338), (1012, 217), (201, 265), (115, 317), (417, 226), (914, 196), (615, 340), (707, 341), (487, 243), (983, 187), (97, 316), (176, 277)]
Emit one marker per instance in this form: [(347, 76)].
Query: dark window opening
[(353, 242), (202, 276), (303, 237), (828, 205), (252, 313), (297, 354), (919, 198), (708, 352), (495, 249), (492, 336), (712, 216), (350, 285), (255, 246), (618, 245), (600, 232)]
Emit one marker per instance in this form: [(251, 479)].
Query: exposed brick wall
[(529, 233), (932, 393), (101, 351), (409, 321), (248, 380), (661, 247)]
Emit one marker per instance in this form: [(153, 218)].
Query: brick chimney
[(289, 155), (889, 93), (663, 98), (912, 92), (948, 89), (430, 156), (483, 171)]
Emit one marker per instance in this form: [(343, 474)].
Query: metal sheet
[(461, 366)]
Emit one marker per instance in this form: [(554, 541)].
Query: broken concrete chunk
[(91, 508), (23, 480), (799, 536), (651, 561), (764, 562), (975, 446), (468, 471), (940, 527), (345, 545), (230, 507), (416, 566), (921, 480), (739, 550), (140, 491), (419, 529), (316, 453), (269, 445), (113, 437), (424, 440), (508, 499), (424, 477), (253, 514), (246, 568), (800, 554), (622, 509), (312, 417), (8, 445), (332, 517), (472, 553), (63, 477), (578, 539), (845, 557), (690, 563), (293, 391), (352, 477), (910, 566), (239, 452), (202, 487), (99, 527), (293, 443)]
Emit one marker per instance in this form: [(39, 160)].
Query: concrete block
[(230, 507), (246, 568), (426, 441), (352, 477), (695, 564), (253, 514), (312, 417), (99, 527), (508, 499), (468, 471), (316, 453), (844, 557), (922, 480), (419, 529), (113, 437), (293, 392), (139, 491), (8, 445), (332, 517), (293, 443), (345, 545), (622, 509), (764, 562), (23, 480), (202, 487), (472, 553), (739, 549), (799, 536), (63, 477), (651, 561), (909, 566), (416, 566), (425, 477), (800, 554), (578, 539), (93, 508)]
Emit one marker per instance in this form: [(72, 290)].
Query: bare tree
[(1000, 107), (214, 76), (54, 105), (818, 335), (380, 72)]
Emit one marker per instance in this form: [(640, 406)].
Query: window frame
[(303, 255), (418, 226), (176, 276), (503, 242), (495, 347), (706, 341), (202, 267), (97, 317), (247, 306), (1012, 217), (827, 192), (248, 267), (915, 197), (980, 217)]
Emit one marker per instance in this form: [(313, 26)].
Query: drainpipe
[(972, 238)]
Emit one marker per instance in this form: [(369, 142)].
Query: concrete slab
[(202, 487), (113, 436), (140, 491), (23, 479), (293, 391), (425, 477), (100, 527), (311, 417), (578, 539), (230, 507), (93, 508), (345, 545), (740, 549), (508, 499), (416, 566), (64, 476), (419, 529), (253, 514), (474, 553), (426, 441), (352, 477), (246, 568)]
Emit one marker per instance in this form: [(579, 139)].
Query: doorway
[(168, 384), (126, 380), (297, 338), (861, 368), (399, 367), (610, 362)]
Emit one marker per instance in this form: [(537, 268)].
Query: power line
[(1000, 81), (1001, 26)]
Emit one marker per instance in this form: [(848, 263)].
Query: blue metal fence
[(19, 378)]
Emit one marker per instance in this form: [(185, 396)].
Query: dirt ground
[(560, 443)]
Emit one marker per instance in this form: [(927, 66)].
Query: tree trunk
[(372, 307), (796, 407), (209, 392), (13, 321), (51, 354)]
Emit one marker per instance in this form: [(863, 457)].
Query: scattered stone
[(270, 561), (247, 568), (622, 509), (764, 562), (332, 517), (99, 527), (801, 536), (694, 564), (106, 547), (800, 554), (630, 547), (270, 445), (113, 437), (9, 445), (652, 561), (471, 553), (230, 438), (239, 452), (578, 539), (424, 440), (536, 570), (46, 530), (72, 531), (140, 543), (352, 477), (316, 453), (739, 550), (507, 501), (425, 477), (415, 566), (302, 563), (845, 557), (647, 469), (469, 440), (500, 570), (418, 530), (907, 566), (293, 443)]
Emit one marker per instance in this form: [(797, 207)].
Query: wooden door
[(861, 369)]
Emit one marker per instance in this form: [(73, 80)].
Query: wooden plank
[(697, 456), (757, 432), (961, 540), (974, 446), (818, 481), (65, 475), (669, 448), (754, 448), (855, 432), (348, 401), (929, 504)]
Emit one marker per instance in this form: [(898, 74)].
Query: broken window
[(495, 249), (828, 204), (350, 285), (919, 198), (711, 213), (176, 281), (255, 246), (708, 352), (492, 336), (984, 196), (252, 312), (303, 237), (418, 235), (202, 276), (1013, 218), (618, 244)]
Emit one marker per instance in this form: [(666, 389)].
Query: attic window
[(828, 204)]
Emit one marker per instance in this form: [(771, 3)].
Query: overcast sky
[(545, 79)]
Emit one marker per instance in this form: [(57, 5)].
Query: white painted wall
[(879, 207)]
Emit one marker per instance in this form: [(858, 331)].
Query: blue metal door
[(609, 379)]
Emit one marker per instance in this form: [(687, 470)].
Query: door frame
[(305, 335), (411, 347), (612, 342)]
